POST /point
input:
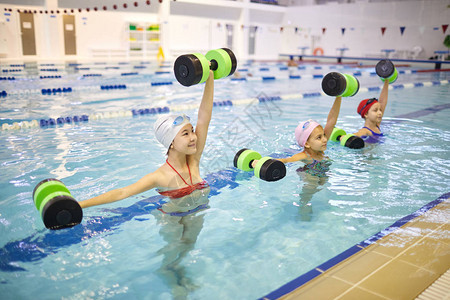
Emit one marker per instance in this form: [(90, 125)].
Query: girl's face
[(374, 114), (186, 140), (317, 140)]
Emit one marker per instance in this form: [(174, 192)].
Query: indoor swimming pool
[(255, 236)]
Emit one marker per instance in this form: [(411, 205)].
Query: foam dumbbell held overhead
[(342, 85), (194, 68), (339, 84), (386, 70), (266, 168), (57, 206)]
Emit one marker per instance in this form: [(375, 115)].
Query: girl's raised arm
[(384, 95), (204, 115), (332, 117)]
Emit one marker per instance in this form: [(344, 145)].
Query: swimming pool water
[(255, 236)]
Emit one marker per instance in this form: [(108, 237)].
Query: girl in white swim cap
[(180, 175)]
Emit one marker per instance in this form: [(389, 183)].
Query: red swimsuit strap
[(190, 177), (184, 191)]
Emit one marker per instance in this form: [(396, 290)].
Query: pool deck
[(401, 265)]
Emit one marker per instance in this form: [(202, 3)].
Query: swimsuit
[(184, 191), (185, 200), (374, 138), (316, 167), (374, 133)]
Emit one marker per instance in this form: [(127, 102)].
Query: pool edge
[(323, 268)]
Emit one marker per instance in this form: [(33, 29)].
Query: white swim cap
[(167, 127)]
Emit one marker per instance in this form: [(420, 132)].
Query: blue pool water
[(255, 236)]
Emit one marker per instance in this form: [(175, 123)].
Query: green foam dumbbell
[(223, 62), (347, 140), (194, 68), (339, 84), (386, 70), (266, 168), (57, 206)]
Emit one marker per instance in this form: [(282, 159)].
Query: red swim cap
[(365, 105)]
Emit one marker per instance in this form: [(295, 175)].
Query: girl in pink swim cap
[(313, 138)]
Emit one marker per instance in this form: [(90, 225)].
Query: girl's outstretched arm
[(332, 117), (147, 182), (204, 115), (295, 157)]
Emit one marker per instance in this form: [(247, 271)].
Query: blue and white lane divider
[(90, 88), (110, 87), (183, 107)]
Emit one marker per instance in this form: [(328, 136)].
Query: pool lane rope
[(121, 86), (59, 120)]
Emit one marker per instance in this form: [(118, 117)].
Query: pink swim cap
[(303, 131)]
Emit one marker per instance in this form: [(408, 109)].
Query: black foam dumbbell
[(339, 84), (386, 70), (194, 68), (347, 140), (266, 168), (57, 206)]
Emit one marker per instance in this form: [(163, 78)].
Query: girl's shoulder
[(302, 156), (160, 175), (363, 132), (296, 157)]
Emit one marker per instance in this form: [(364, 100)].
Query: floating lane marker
[(56, 91), (53, 121), (161, 83)]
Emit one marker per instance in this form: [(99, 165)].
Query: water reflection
[(180, 231), (313, 176)]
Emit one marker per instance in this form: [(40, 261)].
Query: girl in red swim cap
[(372, 110)]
